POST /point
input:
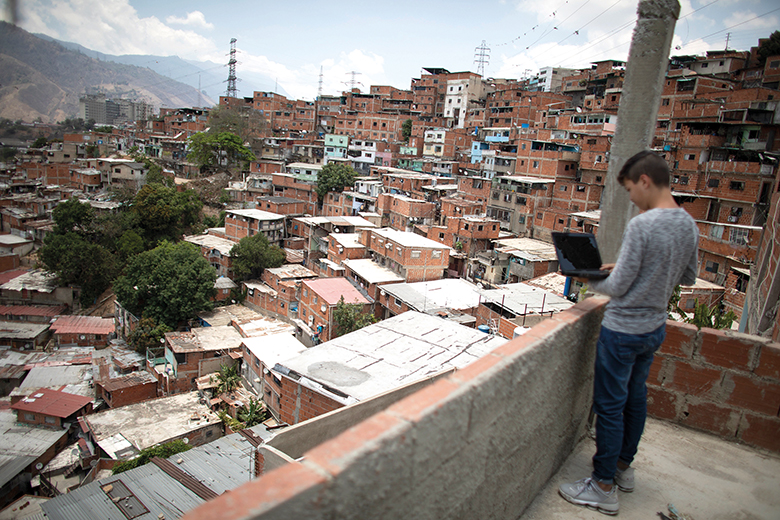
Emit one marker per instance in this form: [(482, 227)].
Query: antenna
[(728, 37), (232, 91), (482, 57)]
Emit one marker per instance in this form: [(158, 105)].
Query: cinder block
[(727, 349), (721, 420), (692, 379), (681, 341), (769, 361), (661, 403), (761, 431), (755, 395)]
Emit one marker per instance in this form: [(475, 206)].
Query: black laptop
[(578, 255)]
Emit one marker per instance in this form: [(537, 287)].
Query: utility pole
[(728, 37), (319, 90), (482, 57), (232, 91)]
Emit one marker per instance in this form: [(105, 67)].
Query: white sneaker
[(624, 479), (586, 492)]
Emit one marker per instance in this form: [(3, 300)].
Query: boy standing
[(659, 251)]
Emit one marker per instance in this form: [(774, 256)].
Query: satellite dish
[(93, 463), (39, 466), (74, 451), (185, 440)]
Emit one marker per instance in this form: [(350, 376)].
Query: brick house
[(240, 223), (261, 354), (51, 408), (412, 256), (216, 250), (127, 389), (319, 298), (83, 331)]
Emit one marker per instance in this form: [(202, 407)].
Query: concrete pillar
[(645, 72)]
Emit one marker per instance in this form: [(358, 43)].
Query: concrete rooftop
[(704, 476)]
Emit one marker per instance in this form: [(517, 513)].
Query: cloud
[(195, 19), (111, 26), (303, 82), (749, 20)]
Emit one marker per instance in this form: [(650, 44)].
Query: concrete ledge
[(480, 443)]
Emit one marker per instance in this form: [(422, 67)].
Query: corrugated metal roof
[(31, 310), (36, 280), (22, 444), (56, 376), (21, 329), (82, 325), (136, 378), (53, 403), (10, 275)]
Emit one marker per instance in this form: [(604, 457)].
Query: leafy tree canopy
[(80, 262), (72, 215), (147, 334), (227, 379), (406, 129), (213, 149), (170, 284), (771, 47), (163, 451), (252, 414), (165, 213), (40, 142), (347, 317), (253, 254), (334, 177)]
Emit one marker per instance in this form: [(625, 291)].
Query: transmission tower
[(319, 90), (351, 83), (232, 91), (482, 57)]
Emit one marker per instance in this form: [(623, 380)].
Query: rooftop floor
[(704, 477)]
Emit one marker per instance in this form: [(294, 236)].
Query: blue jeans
[(620, 396)]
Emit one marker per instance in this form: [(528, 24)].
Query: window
[(521, 219), (738, 236), (564, 188), (711, 267), (598, 158), (665, 102), (713, 183), (415, 254), (741, 283), (716, 232), (396, 302), (690, 156), (520, 200), (29, 416), (598, 178), (539, 216), (737, 185), (436, 253), (536, 164), (441, 235), (580, 188)]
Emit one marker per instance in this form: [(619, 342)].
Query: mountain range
[(42, 78)]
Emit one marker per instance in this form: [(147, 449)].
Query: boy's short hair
[(647, 163)]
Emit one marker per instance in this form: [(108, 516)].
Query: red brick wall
[(310, 405), (722, 382), (130, 395)]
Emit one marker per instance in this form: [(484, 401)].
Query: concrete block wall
[(478, 444), (722, 382)]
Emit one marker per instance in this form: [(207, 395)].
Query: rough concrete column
[(647, 63)]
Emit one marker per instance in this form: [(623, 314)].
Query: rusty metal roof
[(31, 310), (82, 325), (130, 380), (53, 403)]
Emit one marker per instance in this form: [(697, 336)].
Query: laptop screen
[(577, 251)]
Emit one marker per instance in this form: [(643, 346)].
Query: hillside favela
[(242, 304)]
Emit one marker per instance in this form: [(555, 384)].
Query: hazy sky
[(388, 43)]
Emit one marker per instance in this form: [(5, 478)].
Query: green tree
[(7, 153), (169, 449), (253, 254), (92, 150), (253, 414), (347, 317), (227, 379), (334, 177), (72, 215), (40, 142), (170, 284), (165, 213), (147, 334), (771, 47), (211, 150), (713, 317), (406, 129), (79, 262)]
